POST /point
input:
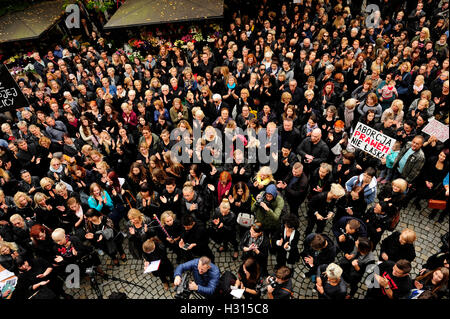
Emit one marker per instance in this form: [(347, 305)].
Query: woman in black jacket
[(398, 246), (223, 228), (378, 219), (287, 245), (154, 251), (171, 234), (352, 204), (330, 284), (41, 242), (249, 277), (255, 244), (101, 233)]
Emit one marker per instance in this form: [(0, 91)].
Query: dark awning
[(30, 23), (143, 12)]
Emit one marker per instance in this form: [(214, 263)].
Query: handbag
[(337, 149), (245, 219), (437, 204)]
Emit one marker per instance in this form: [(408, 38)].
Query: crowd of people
[(91, 164)]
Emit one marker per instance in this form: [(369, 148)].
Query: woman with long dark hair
[(249, 277), (435, 281)]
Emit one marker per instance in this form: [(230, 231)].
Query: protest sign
[(11, 97), (371, 141), (436, 128)]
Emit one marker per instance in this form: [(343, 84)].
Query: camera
[(260, 199), (182, 290), (263, 288)]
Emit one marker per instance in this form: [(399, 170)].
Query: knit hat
[(272, 190), (333, 271)]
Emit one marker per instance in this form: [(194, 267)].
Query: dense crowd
[(92, 163)]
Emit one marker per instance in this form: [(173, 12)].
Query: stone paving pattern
[(428, 241)]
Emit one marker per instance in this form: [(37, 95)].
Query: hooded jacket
[(269, 219), (370, 191)]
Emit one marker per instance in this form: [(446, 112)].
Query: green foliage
[(100, 6)]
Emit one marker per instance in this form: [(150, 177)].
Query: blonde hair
[(409, 235), (60, 187), (58, 233), (309, 92), (337, 190), (46, 181), (15, 217), (11, 245), (333, 271), (18, 195), (39, 197), (135, 213), (286, 97), (407, 64), (400, 183), (399, 104), (351, 102), (326, 166), (225, 204), (167, 213), (266, 170)]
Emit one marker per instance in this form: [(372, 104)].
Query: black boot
[(441, 217)]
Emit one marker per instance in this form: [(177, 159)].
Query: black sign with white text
[(11, 97)]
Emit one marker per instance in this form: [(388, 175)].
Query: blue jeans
[(387, 173)]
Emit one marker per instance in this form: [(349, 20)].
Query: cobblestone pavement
[(428, 242)]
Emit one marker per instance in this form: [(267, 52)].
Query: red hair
[(37, 229), (332, 88)]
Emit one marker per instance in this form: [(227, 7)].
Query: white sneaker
[(100, 252)]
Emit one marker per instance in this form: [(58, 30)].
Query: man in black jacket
[(289, 133), (36, 280), (193, 204), (318, 249), (282, 286), (29, 184), (347, 230), (240, 170), (378, 220), (313, 150), (28, 155), (171, 196), (194, 239), (295, 188)]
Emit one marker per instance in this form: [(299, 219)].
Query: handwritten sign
[(11, 97), (436, 128), (371, 141)]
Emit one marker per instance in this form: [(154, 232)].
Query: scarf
[(349, 116), (59, 170), (231, 87), (290, 240), (221, 190), (418, 88)]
